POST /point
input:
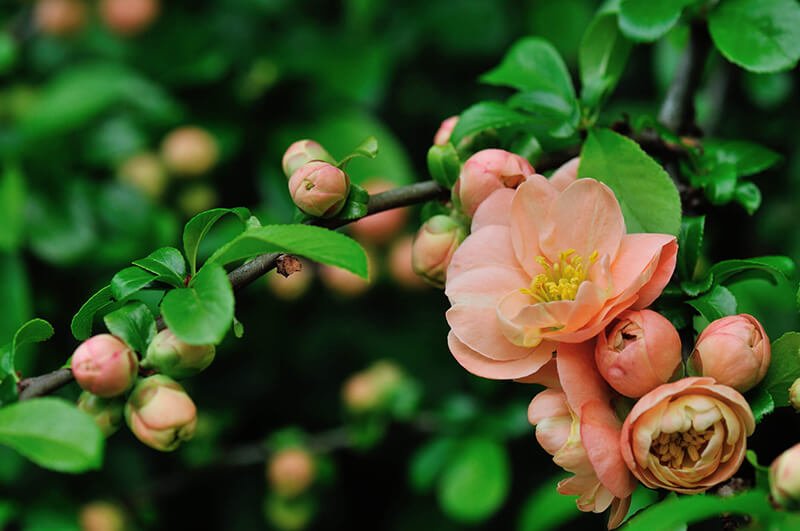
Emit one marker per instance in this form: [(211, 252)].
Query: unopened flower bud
[(734, 350), (319, 189), (641, 351), (370, 389), (145, 173), (189, 151), (794, 395), (101, 516), (104, 366), (172, 357), (399, 263), (160, 413), (106, 412), (301, 153), (442, 136), (433, 248), (784, 478), (128, 17), (486, 171), (291, 471), (60, 17)]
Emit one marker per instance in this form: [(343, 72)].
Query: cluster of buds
[(156, 408), (123, 17), (317, 186)]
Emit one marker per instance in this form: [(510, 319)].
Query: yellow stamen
[(681, 449), (560, 280)]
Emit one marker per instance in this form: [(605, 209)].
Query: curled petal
[(485, 367)]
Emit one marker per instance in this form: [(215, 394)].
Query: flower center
[(560, 280), (680, 449)]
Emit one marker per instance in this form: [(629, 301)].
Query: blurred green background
[(91, 96)]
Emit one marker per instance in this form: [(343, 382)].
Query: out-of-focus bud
[(128, 17), (370, 389), (189, 151), (400, 264), (301, 153), (107, 413), (784, 478), (146, 173), (442, 136), (197, 198), (291, 471), (379, 228), (160, 413), (342, 281), (101, 516), (641, 351), (436, 241), (319, 189), (60, 17), (487, 171), (104, 366), (172, 357), (292, 287), (794, 395), (734, 350)]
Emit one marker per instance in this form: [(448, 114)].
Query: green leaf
[(748, 195), (356, 206), (690, 245), (674, 512), (486, 115), (315, 243), (717, 303), (238, 328), (476, 481), (602, 58), (428, 462), (645, 20), (201, 313), (444, 165), (761, 402), (773, 268), (784, 368), (167, 263), (647, 196), (546, 508), (758, 35), (368, 149), (53, 434), (81, 325), (129, 281), (12, 204), (197, 227), (762, 472), (746, 157), (134, 324), (33, 331)]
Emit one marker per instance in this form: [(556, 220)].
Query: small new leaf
[(197, 227), (367, 149), (129, 281), (134, 324), (81, 325)]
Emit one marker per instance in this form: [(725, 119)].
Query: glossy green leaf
[(546, 508), (315, 243), (428, 462), (717, 303), (486, 115), (33, 331), (12, 205), (762, 472), (52, 433), (134, 324), (197, 227), (747, 158), (784, 368), (602, 58), (674, 512), (645, 20), (167, 263), (476, 481), (758, 35), (690, 245), (81, 325), (356, 206), (367, 149), (201, 313), (129, 281), (761, 402), (646, 194)]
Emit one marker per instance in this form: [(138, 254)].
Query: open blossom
[(576, 424), (486, 171), (687, 436), (547, 263), (734, 351), (641, 351)]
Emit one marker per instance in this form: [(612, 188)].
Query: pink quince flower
[(578, 427), (547, 263)]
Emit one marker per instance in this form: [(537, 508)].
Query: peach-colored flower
[(784, 478), (734, 350), (687, 436), (486, 171), (641, 351), (442, 136), (542, 266), (579, 428)]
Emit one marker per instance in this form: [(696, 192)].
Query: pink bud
[(302, 152), (784, 478), (319, 189), (160, 413), (128, 17), (734, 351), (104, 366), (442, 136), (189, 151), (102, 516), (291, 471), (175, 358), (399, 264), (641, 351), (434, 246), (794, 395), (107, 413), (487, 171)]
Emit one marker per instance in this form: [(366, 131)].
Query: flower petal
[(529, 208), (600, 430), (566, 174), (498, 370), (579, 376), (484, 286), (494, 210), (639, 267), (479, 329)]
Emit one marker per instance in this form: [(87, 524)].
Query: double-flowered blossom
[(547, 263)]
